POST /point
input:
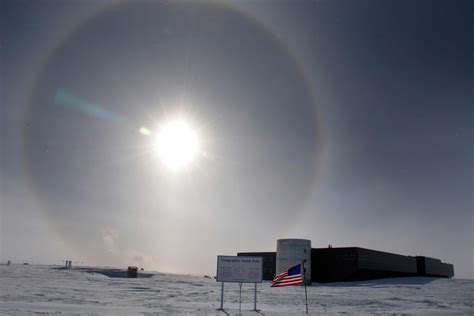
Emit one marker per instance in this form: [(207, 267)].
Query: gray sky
[(342, 122)]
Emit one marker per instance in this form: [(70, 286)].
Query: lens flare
[(144, 131)]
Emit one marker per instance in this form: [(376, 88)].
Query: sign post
[(222, 297), (239, 269), (240, 298), (304, 281), (255, 299)]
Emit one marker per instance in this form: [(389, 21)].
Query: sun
[(177, 144)]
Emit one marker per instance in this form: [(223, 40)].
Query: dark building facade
[(434, 267), (353, 264), (357, 264)]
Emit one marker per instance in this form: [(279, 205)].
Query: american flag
[(290, 276)]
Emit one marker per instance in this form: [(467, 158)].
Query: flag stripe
[(294, 282), (287, 284), (281, 275), (296, 277), (290, 281)]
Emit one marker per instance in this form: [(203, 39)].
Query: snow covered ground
[(42, 289)]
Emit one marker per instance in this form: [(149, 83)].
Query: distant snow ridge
[(41, 289)]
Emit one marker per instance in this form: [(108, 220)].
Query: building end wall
[(291, 252)]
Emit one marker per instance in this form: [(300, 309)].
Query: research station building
[(330, 264)]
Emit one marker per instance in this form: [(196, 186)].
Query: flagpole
[(305, 292)]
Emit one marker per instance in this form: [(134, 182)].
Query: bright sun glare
[(177, 144)]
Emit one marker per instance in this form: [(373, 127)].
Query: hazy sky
[(343, 122)]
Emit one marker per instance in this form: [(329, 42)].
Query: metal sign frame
[(240, 282)]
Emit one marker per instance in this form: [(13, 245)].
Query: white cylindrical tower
[(290, 252)]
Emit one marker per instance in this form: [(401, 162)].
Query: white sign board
[(239, 269)]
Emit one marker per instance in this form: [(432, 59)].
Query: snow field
[(42, 289)]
